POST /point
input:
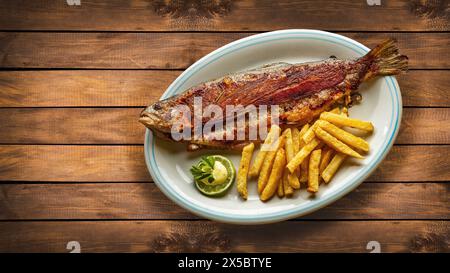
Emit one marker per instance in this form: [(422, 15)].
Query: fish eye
[(157, 106)]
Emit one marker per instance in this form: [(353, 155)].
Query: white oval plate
[(169, 162)]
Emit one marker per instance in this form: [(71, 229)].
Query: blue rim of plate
[(302, 209)]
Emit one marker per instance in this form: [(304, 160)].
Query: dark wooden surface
[(102, 50), (73, 80)]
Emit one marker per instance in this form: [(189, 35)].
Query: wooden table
[(75, 77)]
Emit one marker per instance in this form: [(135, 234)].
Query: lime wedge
[(218, 189)]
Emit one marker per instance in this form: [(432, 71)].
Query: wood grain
[(425, 88), (84, 87), (126, 163), (146, 201), (202, 236), (134, 50), (72, 125), (424, 126), (120, 126), (73, 163), (141, 87), (172, 50), (225, 15)]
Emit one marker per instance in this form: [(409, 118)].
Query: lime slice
[(219, 173), (218, 189)]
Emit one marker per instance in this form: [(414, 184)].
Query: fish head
[(157, 117), (162, 118)]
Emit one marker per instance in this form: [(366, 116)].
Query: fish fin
[(385, 60)]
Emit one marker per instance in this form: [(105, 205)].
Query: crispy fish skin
[(302, 91)]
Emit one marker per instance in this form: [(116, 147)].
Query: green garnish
[(213, 175), (204, 170)]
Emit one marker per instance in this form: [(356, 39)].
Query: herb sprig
[(204, 169)]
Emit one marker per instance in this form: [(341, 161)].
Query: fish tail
[(385, 60)]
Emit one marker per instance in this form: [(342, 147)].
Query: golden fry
[(256, 167), (313, 172), (289, 148), (275, 175), (288, 144), (327, 154), (267, 164), (296, 140), (304, 170), (280, 190), (288, 190), (341, 120), (302, 132), (302, 154), (241, 182), (335, 143), (344, 136), (303, 177), (293, 180), (309, 135), (331, 169)]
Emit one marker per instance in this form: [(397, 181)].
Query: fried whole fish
[(302, 91)]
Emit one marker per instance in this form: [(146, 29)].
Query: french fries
[(335, 143), (313, 172), (275, 175), (302, 132), (344, 136), (287, 189), (247, 153), (304, 165), (346, 121), (257, 164), (302, 154), (280, 190), (331, 169), (304, 170), (296, 140), (327, 154), (309, 134), (289, 148), (308, 155), (267, 165)]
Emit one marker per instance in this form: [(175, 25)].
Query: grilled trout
[(301, 91)]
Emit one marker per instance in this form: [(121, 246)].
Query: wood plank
[(146, 201), (138, 15), (172, 50), (73, 163), (425, 88), (72, 126), (141, 87), (84, 87), (203, 236), (424, 126), (121, 126), (126, 163)]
